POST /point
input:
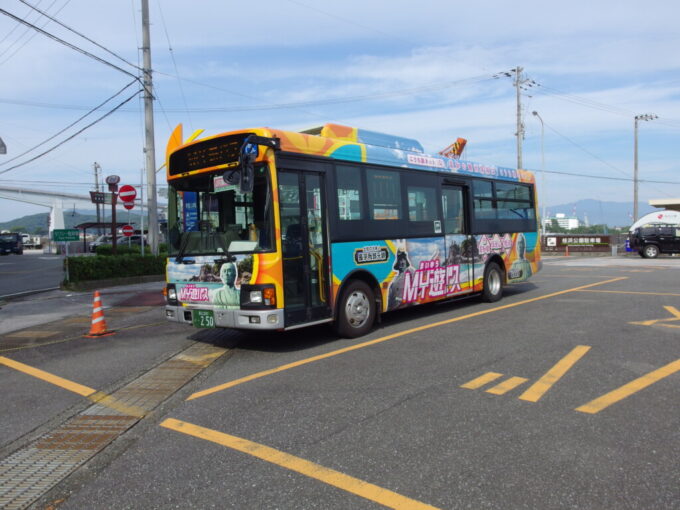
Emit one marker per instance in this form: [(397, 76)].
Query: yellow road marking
[(47, 377), (627, 390), (670, 309), (540, 387), (505, 386), (329, 476), (288, 366), (481, 380), (115, 404), (633, 292)]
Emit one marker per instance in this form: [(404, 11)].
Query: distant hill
[(612, 214), (37, 223)]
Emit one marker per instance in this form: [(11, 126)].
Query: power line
[(73, 135), (69, 126), (79, 34), (26, 31), (67, 44)]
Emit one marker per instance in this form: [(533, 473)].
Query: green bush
[(101, 267), (121, 249)]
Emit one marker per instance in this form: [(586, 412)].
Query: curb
[(110, 282)]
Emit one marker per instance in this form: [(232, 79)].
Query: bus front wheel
[(357, 310), (493, 283)]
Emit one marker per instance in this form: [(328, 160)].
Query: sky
[(433, 71)]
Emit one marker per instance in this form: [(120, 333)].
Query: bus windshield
[(215, 218)]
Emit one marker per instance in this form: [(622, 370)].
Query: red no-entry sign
[(128, 230), (127, 193)]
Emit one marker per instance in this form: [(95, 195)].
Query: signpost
[(65, 235)]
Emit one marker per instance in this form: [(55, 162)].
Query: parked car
[(652, 239), (10, 242), (102, 239), (133, 239)]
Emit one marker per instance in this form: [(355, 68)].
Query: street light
[(543, 193), (646, 117)]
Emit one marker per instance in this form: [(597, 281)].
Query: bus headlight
[(171, 294), (258, 296)]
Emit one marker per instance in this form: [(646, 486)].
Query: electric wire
[(81, 35), (68, 44), (30, 37), (99, 106), (73, 135), (174, 63)]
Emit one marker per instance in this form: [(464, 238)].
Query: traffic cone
[(98, 327)]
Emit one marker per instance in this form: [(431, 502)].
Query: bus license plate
[(203, 318)]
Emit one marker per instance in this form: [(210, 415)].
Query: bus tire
[(356, 313), (493, 283), (651, 251)]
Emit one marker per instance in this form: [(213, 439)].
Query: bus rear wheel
[(493, 283), (357, 310)]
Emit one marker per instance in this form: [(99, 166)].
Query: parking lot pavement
[(36, 309), (562, 395)]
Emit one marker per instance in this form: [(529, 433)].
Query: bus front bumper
[(235, 319)]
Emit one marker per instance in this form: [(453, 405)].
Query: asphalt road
[(562, 395), (32, 271)]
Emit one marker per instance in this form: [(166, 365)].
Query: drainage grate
[(32, 471)]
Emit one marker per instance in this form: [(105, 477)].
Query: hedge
[(102, 267)]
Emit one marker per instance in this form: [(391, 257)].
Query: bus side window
[(452, 206)]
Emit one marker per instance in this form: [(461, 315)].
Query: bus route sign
[(65, 234)]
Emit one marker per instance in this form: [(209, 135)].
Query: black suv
[(652, 239)]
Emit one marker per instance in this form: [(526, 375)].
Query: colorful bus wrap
[(269, 229)]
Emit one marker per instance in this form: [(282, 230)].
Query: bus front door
[(459, 244), (303, 240)]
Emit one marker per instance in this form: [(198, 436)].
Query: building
[(564, 221)]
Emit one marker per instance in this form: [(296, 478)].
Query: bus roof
[(354, 144), (358, 145)]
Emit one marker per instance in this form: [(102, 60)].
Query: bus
[(277, 230)]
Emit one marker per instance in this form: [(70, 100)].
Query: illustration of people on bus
[(520, 268), (227, 295), (395, 293)]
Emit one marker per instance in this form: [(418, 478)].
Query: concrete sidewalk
[(45, 307)]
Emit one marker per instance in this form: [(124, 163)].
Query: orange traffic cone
[(98, 327)]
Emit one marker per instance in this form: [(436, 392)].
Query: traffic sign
[(128, 205), (128, 230), (62, 235), (99, 197), (127, 193)]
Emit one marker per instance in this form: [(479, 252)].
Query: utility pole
[(97, 167), (149, 146), (520, 126), (543, 192), (646, 117)]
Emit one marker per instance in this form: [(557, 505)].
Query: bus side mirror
[(247, 172)]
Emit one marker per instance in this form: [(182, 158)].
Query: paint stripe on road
[(47, 377), (629, 389), (329, 476), (540, 387)]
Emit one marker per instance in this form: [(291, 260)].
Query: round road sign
[(127, 193), (128, 230), (128, 205)]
